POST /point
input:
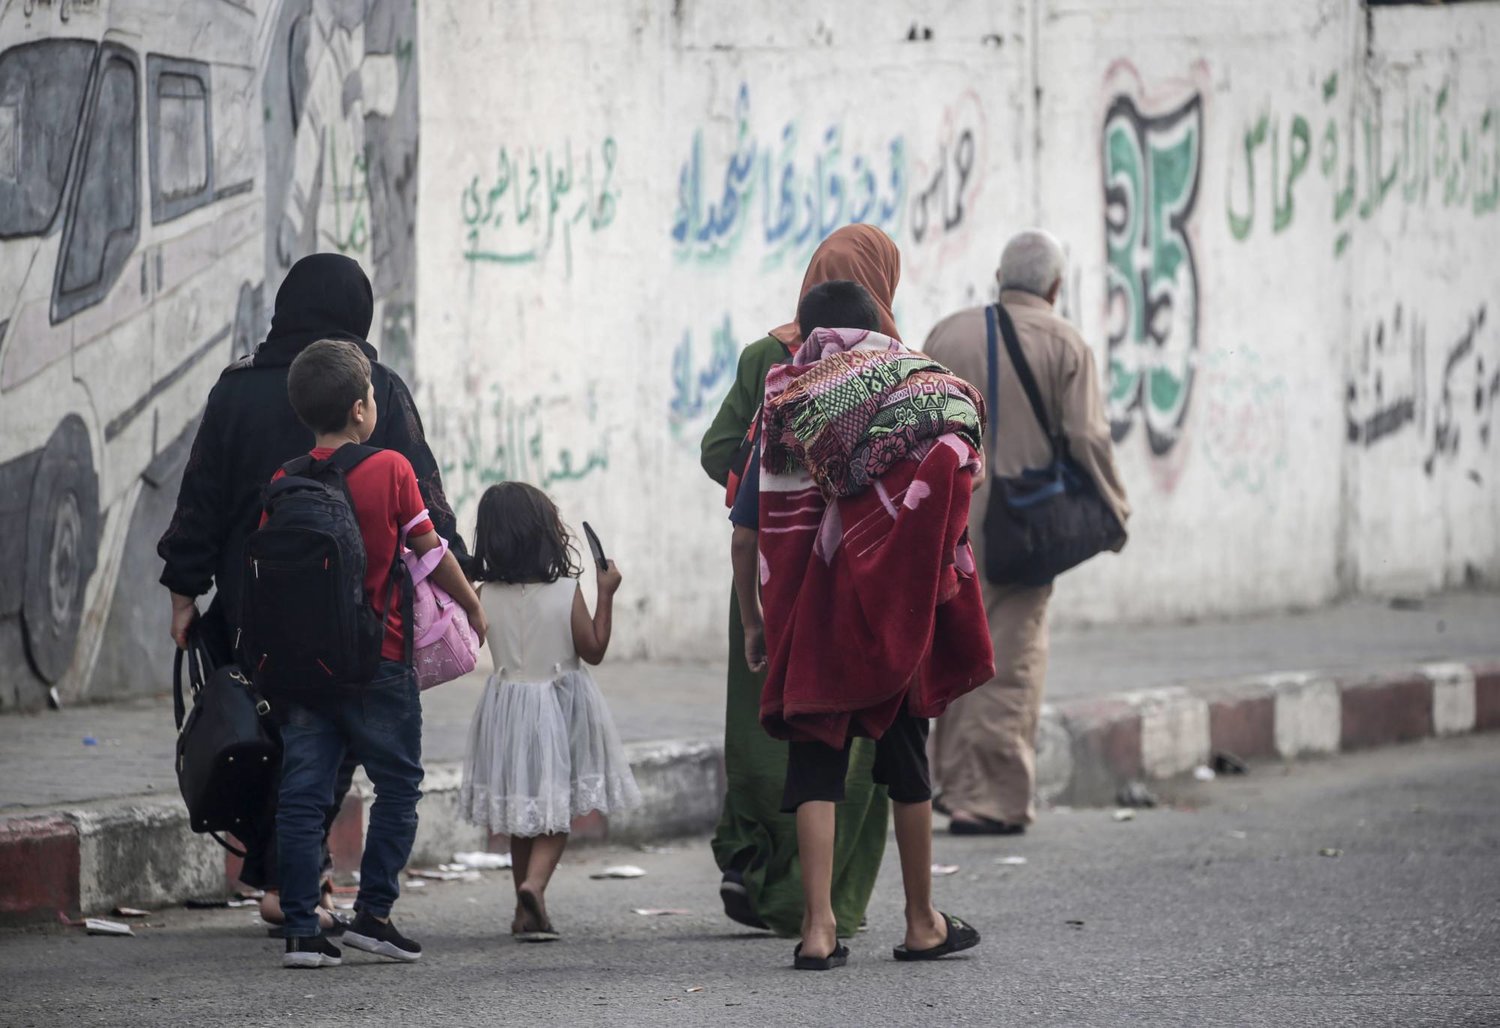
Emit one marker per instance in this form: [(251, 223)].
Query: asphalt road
[(1218, 912)]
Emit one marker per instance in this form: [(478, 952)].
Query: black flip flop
[(960, 937), (736, 899), (985, 826), (838, 958)]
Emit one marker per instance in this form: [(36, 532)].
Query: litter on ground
[(620, 871), (99, 926)]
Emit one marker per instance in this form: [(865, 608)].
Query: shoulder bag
[(227, 757), (1043, 521)]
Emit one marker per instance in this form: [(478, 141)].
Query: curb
[(1087, 748), (140, 851)]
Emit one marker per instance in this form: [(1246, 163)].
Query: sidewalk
[(92, 788)]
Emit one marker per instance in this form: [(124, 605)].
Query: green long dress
[(753, 836)]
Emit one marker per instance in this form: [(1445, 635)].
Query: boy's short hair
[(837, 304), (325, 381)]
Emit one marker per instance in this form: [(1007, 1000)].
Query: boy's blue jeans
[(381, 726)]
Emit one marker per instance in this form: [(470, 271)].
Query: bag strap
[(1023, 371), (197, 658), (221, 841), (179, 708)]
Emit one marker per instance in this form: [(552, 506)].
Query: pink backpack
[(443, 644)]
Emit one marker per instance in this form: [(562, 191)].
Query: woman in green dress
[(755, 844)]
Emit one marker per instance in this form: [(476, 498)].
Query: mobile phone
[(596, 547)]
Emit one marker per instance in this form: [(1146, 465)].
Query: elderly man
[(984, 748)]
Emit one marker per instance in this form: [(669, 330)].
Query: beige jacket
[(1064, 369)]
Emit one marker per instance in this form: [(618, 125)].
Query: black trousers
[(815, 771)]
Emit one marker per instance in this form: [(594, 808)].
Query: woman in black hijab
[(248, 431)]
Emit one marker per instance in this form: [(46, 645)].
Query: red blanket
[(871, 601)]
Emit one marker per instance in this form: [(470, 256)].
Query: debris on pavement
[(131, 912), (1329, 851), (99, 926), (1135, 794), (1124, 814), (1076, 925), (620, 871), (236, 903), (1010, 861), (89, 740), (1226, 763), (415, 883), (1204, 773), (659, 911), (479, 860), (693, 988), (943, 870), (443, 875)]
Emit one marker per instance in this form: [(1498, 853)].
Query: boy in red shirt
[(380, 722)]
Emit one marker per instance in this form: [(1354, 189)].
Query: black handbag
[(1043, 521), (227, 756)]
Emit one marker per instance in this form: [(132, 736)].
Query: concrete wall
[(162, 162), (1281, 218)]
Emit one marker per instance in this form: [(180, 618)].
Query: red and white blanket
[(871, 601)]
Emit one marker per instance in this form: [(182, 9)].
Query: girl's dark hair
[(519, 537)]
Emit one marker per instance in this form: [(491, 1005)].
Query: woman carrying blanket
[(755, 844), (851, 533)]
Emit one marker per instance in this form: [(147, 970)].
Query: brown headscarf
[(858, 253)]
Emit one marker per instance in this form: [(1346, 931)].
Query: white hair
[(1032, 262)]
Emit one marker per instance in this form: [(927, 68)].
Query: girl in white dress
[(543, 748)]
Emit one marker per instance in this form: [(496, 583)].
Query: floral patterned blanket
[(858, 403)]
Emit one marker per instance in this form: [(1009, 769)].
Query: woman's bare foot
[(270, 910), (925, 929)]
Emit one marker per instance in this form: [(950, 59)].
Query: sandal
[(838, 958), (339, 923), (960, 937)]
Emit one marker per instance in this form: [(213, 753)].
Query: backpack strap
[(1023, 371)]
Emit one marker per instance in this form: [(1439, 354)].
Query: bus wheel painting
[(63, 529)]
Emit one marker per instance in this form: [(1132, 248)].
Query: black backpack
[(307, 625), (227, 757)]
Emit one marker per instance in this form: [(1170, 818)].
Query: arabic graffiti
[(1389, 389), (509, 440), (1468, 389), (1440, 157), (946, 182), (516, 215), (1151, 172), (350, 195), (799, 197), (1243, 422), (1388, 386), (698, 386)]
